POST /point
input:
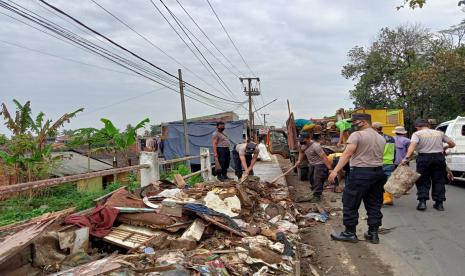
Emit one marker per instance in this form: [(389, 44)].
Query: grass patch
[(49, 200)]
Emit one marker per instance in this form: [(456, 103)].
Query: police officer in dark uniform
[(364, 149)]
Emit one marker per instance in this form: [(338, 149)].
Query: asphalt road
[(425, 243)]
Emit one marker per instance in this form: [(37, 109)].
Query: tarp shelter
[(200, 136)]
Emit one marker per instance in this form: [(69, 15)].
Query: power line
[(201, 43), (184, 28), (64, 58), (229, 37), (208, 38), (109, 40), (153, 44), (184, 41), (62, 32)]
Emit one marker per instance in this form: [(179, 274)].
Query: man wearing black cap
[(365, 148), (245, 155), (431, 163), (318, 163)]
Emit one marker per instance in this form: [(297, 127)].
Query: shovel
[(283, 174)]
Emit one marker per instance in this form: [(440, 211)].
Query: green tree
[(3, 139), (413, 4), (120, 142), (28, 155), (384, 70)]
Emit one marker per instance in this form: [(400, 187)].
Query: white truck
[(455, 157)]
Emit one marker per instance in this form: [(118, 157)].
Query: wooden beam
[(179, 159), (7, 191)]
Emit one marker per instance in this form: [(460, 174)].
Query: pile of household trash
[(228, 228)]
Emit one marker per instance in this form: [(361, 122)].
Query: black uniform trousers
[(224, 158), (238, 164), (317, 174), (432, 167), (365, 184)]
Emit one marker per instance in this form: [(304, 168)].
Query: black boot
[(421, 205), (372, 234), (438, 206), (347, 236)]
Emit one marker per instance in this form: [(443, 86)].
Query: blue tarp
[(200, 136)]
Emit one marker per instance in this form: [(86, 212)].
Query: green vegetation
[(50, 200), (182, 169), (28, 156), (412, 68)]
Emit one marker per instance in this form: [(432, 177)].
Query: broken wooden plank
[(25, 223), (95, 268), (179, 180), (17, 242), (221, 225)]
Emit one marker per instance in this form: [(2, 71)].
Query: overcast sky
[(297, 48)]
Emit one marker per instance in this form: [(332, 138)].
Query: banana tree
[(121, 141), (27, 154), (90, 137)]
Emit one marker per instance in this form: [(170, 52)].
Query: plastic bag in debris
[(198, 208), (263, 153), (286, 226), (401, 181), (230, 206), (323, 217), (288, 250), (171, 193)]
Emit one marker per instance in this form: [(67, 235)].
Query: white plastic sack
[(263, 153), (401, 181)]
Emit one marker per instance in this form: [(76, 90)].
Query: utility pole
[(264, 119), (184, 120), (249, 92)]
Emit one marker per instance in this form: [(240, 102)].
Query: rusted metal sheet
[(8, 191), (291, 133)]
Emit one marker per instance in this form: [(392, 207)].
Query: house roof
[(76, 163)]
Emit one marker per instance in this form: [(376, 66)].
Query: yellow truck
[(390, 118)]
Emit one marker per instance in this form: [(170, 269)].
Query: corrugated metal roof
[(75, 163)]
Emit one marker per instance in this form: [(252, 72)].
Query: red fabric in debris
[(99, 221)]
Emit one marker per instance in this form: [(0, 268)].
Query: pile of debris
[(229, 228)]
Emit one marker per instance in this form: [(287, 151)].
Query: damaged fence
[(149, 168)]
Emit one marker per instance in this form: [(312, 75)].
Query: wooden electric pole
[(184, 119)]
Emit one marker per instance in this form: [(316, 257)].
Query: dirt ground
[(331, 257)]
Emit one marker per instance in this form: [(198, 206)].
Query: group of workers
[(373, 156), (244, 154), (369, 158)]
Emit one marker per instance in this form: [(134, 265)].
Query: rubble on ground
[(228, 228)]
